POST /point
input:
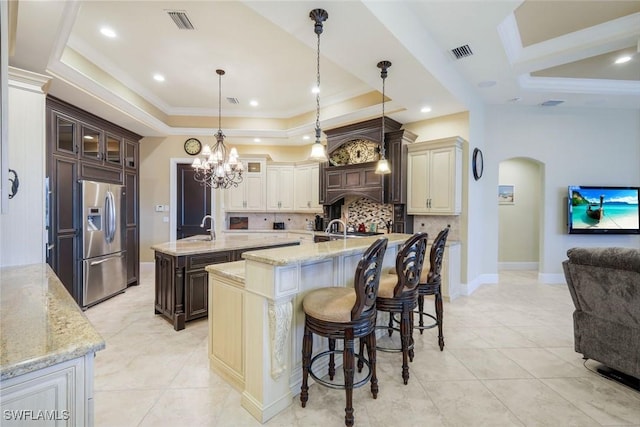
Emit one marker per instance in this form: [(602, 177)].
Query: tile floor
[(508, 361)]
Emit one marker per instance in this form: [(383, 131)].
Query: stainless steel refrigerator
[(104, 268)]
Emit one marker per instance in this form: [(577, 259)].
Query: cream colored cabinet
[(280, 180), (60, 394), (250, 194), (434, 184), (306, 192)]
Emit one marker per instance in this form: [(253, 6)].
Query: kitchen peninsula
[(256, 320), (47, 350), (181, 280)]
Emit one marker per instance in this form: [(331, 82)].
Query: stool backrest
[(409, 263), (437, 255), (367, 278)]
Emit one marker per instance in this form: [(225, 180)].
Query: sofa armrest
[(605, 282)]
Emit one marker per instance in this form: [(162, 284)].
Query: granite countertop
[(318, 251), (232, 270), (41, 323), (196, 245)]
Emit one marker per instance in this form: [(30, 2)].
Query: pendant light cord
[(318, 90)]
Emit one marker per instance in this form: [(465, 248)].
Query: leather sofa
[(605, 287)]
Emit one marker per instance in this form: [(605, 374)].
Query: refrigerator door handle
[(112, 226), (110, 220), (105, 260)]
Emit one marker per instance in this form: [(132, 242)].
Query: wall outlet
[(165, 219)]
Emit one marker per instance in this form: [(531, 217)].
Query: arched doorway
[(520, 213)]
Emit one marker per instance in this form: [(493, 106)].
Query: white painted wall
[(578, 146), (23, 224), (519, 223)]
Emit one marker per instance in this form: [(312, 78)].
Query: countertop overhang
[(41, 323), (318, 251), (196, 245)]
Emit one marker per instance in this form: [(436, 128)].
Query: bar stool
[(431, 285), (398, 294), (345, 314)]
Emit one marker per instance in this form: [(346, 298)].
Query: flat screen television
[(603, 210)]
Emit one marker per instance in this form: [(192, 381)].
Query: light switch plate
[(159, 208)]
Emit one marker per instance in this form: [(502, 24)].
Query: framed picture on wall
[(505, 194)]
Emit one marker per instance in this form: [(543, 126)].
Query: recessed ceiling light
[(315, 89), (487, 83), (253, 103), (108, 32), (425, 110), (623, 59), (158, 77), (256, 139), (306, 137)]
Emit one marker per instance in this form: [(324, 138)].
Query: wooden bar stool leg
[(371, 353), (348, 367), (439, 318), (307, 348), (332, 362), (405, 335), (411, 342), (421, 310), (363, 342)]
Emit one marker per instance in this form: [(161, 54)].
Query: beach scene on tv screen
[(618, 208)]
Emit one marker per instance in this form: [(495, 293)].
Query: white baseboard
[(533, 266), (483, 279)]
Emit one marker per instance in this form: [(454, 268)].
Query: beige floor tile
[(469, 403), (489, 364), (542, 364), (503, 337), (538, 405), (603, 400), (186, 407), (123, 407)]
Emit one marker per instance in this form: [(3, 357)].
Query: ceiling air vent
[(461, 52), (233, 100), (551, 103), (181, 19)]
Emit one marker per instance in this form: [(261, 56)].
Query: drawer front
[(200, 261)]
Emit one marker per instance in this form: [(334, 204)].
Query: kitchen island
[(256, 322), (47, 350), (181, 282)]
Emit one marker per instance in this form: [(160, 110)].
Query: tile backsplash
[(365, 211)]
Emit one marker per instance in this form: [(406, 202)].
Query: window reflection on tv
[(606, 210)]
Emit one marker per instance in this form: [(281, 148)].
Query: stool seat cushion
[(387, 283), (424, 274), (331, 304)]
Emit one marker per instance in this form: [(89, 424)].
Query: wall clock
[(192, 146), (477, 163)]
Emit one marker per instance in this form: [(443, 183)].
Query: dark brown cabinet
[(83, 146), (182, 283)]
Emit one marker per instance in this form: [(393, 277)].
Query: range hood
[(351, 171)]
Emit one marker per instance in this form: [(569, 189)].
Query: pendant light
[(215, 168), (383, 164), (318, 152)]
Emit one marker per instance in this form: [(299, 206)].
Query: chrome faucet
[(211, 230), (333, 221)]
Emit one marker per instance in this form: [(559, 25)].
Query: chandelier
[(383, 164), (214, 168), (318, 152)]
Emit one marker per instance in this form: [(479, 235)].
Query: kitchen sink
[(197, 238)]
